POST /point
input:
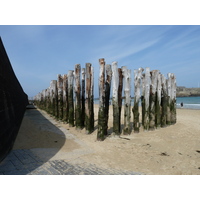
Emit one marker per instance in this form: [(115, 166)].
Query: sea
[(188, 102)]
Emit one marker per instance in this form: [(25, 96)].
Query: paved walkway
[(24, 162), (51, 159)]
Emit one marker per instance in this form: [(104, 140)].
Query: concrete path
[(60, 155), (24, 162)]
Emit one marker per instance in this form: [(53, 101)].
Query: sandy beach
[(174, 150)]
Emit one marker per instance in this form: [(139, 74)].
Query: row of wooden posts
[(70, 98)]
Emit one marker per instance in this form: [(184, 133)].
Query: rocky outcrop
[(187, 92)]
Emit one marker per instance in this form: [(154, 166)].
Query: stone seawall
[(13, 103)]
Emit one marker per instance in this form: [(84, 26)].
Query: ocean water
[(188, 102)]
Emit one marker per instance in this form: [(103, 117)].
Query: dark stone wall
[(13, 103)]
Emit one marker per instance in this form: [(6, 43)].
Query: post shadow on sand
[(26, 155)]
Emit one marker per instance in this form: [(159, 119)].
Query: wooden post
[(48, 100), (127, 100), (51, 99), (146, 98), (45, 100), (89, 113), (137, 83), (102, 127), (142, 98), (173, 99), (120, 96), (163, 101), (107, 91), (169, 98), (60, 97), (83, 96), (115, 102), (152, 100), (92, 99), (158, 102), (70, 97), (78, 103), (42, 99), (65, 98)]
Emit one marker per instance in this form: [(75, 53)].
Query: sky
[(39, 52)]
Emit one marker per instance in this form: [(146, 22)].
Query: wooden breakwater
[(13, 102), (70, 98)]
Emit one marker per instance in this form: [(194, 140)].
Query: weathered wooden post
[(51, 98), (45, 100), (146, 98), (102, 126), (42, 100), (120, 87), (70, 97), (142, 98), (60, 97), (163, 101), (65, 98), (169, 99), (83, 95), (152, 100), (38, 99), (55, 98), (48, 100), (158, 102), (107, 90), (89, 107), (127, 100), (78, 103), (92, 99), (137, 83), (115, 78), (173, 99)]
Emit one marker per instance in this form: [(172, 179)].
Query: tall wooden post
[(137, 83), (142, 98), (65, 98), (127, 100), (60, 97), (89, 113), (120, 87), (42, 99), (163, 101), (102, 127), (83, 95), (48, 100), (54, 98), (51, 98), (107, 90), (115, 102), (78, 103), (169, 99), (146, 98), (92, 99), (152, 100), (173, 99), (158, 102), (70, 97), (45, 99)]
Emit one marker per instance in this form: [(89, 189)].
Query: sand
[(174, 150)]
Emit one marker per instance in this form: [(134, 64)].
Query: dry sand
[(171, 150)]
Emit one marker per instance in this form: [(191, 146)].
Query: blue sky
[(39, 53)]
